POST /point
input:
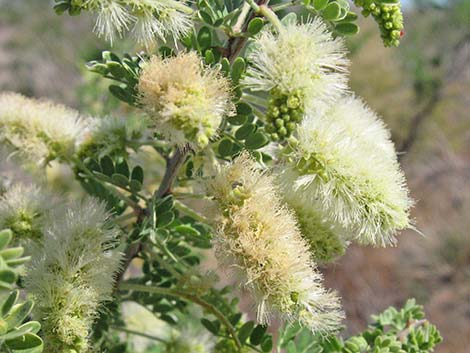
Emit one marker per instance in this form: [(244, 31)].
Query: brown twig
[(411, 326), (172, 167), (236, 45)]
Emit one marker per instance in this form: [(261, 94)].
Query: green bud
[(274, 111), (279, 123), (293, 102), (290, 127)]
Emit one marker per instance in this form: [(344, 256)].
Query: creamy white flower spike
[(150, 19), (259, 239), (344, 164), (327, 239), (112, 135), (23, 209), (39, 129), (71, 273), (302, 67), (185, 100)]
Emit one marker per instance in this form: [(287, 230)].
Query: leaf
[(244, 131), (255, 141), (116, 69), (211, 326), (5, 238), (7, 276), (238, 68), (245, 331), (289, 19), (138, 174), (29, 327), (107, 166), (350, 17), (9, 302), (255, 26), (165, 219), (237, 119), (204, 38), (121, 94), (331, 12), (29, 343), (225, 148), (267, 344), (244, 108), (257, 335), (11, 253), (205, 17), (291, 348), (119, 179), (320, 4), (209, 57), (187, 230), (165, 204), (347, 28), (235, 318), (225, 65), (61, 7), (19, 313), (122, 168), (135, 186)]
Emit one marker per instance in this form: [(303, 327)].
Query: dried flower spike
[(259, 239)]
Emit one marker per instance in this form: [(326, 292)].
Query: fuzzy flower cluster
[(147, 19), (327, 239), (111, 136), (23, 210), (185, 100), (40, 130), (259, 239), (344, 166), (302, 67), (71, 273), (12, 170)]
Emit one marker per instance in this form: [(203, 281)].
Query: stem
[(271, 16), (190, 212), (193, 298), (123, 217), (235, 46), (237, 28), (179, 6), (166, 265), (286, 5), (253, 5), (411, 326), (137, 333), (173, 165)]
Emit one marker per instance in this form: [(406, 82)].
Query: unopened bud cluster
[(389, 18), (284, 112)]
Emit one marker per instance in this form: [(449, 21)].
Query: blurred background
[(422, 91)]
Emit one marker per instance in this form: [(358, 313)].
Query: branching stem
[(187, 296)]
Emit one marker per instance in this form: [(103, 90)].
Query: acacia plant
[(266, 157)]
